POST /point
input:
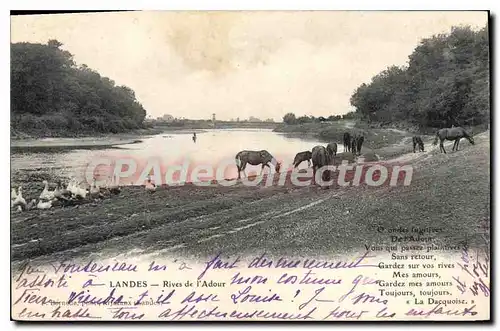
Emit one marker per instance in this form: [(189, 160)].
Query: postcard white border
[(194, 5)]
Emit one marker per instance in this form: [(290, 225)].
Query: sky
[(240, 64)]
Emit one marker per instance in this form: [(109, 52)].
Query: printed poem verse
[(422, 278)]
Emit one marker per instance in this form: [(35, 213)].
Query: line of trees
[(445, 83), (51, 95), (291, 119)]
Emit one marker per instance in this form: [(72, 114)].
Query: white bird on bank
[(76, 190), (13, 196), (70, 186), (81, 192), (61, 194), (46, 194), (19, 201), (44, 205)]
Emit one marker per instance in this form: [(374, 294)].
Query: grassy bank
[(375, 138), (17, 134), (377, 135)]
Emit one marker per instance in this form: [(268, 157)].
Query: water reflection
[(210, 148)]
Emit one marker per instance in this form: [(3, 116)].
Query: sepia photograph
[(301, 165)]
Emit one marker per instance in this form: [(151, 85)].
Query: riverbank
[(377, 134), (190, 127), (17, 135), (375, 139), (449, 191), (70, 143)]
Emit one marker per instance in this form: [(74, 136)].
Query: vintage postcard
[(251, 166)]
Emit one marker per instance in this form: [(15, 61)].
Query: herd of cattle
[(319, 156), (352, 143), (323, 156)]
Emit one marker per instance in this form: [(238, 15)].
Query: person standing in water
[(194, 137)]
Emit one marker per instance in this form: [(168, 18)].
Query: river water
[(212, 148)]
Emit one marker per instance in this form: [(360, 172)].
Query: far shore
[(64, 143), (154, 130)]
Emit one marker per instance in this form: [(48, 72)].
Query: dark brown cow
[(301, 157), (255, 158)]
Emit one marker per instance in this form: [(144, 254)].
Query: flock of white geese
[(73, 192)]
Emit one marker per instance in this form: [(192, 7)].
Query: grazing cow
[(417, 141), (321, 158), (347, 142), (301, 157), (354, 140), (359, 143), (455, 133), (332, 149), (255, 158)]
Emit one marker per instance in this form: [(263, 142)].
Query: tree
[(304, 119), (49, 92), (289, 118), (54, 43), (445, 83)]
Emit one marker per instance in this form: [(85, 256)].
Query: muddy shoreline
[(62, 145), (195, 221)]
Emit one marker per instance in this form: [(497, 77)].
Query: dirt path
[(445, 191)]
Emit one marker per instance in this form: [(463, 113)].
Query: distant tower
[(213, 120)]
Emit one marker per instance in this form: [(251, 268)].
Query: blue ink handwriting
[(84, 297), (29, 297), (125, 314), (239, 280), (244, 296), (218, 263), (196, 298), (194, 313), (42, 281), (80, 313), (307, 279), (265, 262), (92, 267), (438, 310), (155, 267)]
